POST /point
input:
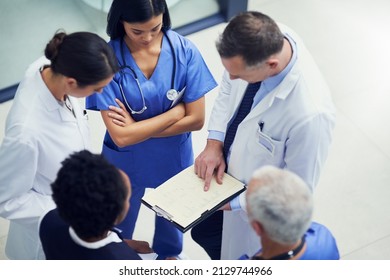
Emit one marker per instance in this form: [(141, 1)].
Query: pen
[(261, 125)]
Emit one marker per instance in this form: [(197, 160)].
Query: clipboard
[(182, 200)]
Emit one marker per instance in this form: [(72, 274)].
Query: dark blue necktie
[(243, 110)]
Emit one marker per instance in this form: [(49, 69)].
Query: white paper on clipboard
[(178, 98), (183, 201)]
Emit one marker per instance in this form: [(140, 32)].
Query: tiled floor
[(349, 40)]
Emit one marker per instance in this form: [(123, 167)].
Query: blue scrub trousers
[(167, 240)]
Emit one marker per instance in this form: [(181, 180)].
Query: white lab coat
[(298, 118), (39, 135)]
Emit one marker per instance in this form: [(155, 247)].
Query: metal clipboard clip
[(161, 213)]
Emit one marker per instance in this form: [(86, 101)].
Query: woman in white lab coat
[(46, 124)]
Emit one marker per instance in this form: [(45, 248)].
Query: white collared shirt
[(110, 238)]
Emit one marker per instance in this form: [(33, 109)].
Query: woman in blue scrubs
[(151, 106)]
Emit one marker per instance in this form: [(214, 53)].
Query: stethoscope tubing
[(124, 65)]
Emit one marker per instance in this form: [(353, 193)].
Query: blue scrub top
[(320, 244), (155, 160)]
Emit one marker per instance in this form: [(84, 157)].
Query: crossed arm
[(124, 130)]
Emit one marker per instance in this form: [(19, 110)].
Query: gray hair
[(282, 202)]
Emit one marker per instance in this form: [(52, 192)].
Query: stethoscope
[(171, 94)]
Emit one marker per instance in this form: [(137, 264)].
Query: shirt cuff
[(235, 203), (239, 202), (216, 135)]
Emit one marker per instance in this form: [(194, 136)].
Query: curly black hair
[(90, 193)]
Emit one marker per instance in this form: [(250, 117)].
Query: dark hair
[(135, 11), (83, 56), (90, 193), (252, 35)]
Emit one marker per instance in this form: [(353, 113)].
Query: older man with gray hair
[(280, 208)]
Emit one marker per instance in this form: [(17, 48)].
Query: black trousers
[(208, 234)]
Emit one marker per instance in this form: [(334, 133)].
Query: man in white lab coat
[(289, 124)]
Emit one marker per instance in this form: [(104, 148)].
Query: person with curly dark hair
[(92, 196)]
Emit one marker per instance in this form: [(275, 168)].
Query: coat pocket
[(273, 149)]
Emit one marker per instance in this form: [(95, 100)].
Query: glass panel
[(27, 25), (186, 11), (182, 11)]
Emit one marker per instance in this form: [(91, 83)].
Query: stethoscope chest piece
[(172, 94)]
